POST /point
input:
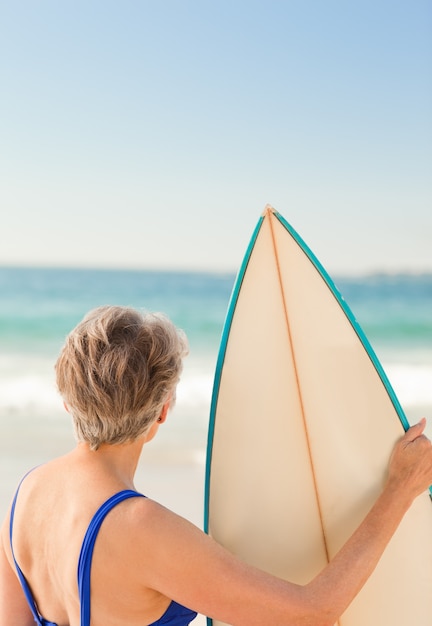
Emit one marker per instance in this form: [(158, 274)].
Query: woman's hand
[(410, 468)]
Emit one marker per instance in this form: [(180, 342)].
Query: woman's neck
[(119, 460)]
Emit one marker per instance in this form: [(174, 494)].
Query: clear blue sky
[(153, 133)]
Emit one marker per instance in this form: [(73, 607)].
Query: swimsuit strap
[(86, 554), (24, 584)]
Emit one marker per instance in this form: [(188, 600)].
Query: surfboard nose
[(268, 210)]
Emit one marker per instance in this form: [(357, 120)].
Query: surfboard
[(302, 423)]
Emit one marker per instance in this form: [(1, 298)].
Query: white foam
[(195, 390), (27, 384), (411, 383), (29, 393)]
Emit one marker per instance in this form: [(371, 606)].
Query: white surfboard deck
[(303, 422)]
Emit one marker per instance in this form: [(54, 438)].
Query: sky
[(153, 133)]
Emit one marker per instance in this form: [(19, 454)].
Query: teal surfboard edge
[(219, 365), (218, 372), (351, 317)]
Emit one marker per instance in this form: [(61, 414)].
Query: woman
[(117, 374)]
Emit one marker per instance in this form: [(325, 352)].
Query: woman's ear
[(160, 420), (66, 407), (162, 417)]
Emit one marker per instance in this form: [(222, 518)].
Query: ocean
[(38, 307)]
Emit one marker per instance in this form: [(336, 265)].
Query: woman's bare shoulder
[(13, 605), (175, 558)]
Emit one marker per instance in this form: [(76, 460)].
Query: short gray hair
[(117, 370)]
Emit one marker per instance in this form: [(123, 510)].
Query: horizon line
[(405, 272)]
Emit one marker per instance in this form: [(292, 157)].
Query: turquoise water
[(395, 311), (38, 307)]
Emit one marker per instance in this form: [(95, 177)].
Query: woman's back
[(55, 508)]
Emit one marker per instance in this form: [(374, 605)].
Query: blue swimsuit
[(175, 615)]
